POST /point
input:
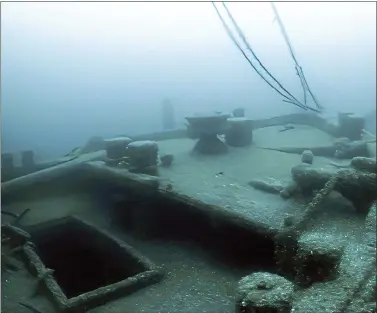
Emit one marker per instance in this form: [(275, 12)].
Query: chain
[(330, 185)]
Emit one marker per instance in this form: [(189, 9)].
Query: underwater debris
[(271, 186), (349, 184), (348, 189), (311, 178), (326, 151), (357, 186), (342, 148)]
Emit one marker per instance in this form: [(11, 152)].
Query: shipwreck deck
[(197, 176), (193, 282)]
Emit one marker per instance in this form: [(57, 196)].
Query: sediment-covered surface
[(196, 281)]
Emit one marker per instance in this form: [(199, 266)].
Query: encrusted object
[(58, 268), (264, 293), (307, 157), (317, 258), (12, 241), (336, 182), (287, 239)]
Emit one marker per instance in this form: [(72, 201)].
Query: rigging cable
[(227, 29), (299, 70), (242, 36), (290, 99)]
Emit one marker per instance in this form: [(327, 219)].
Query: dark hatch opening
[(83, 260)]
